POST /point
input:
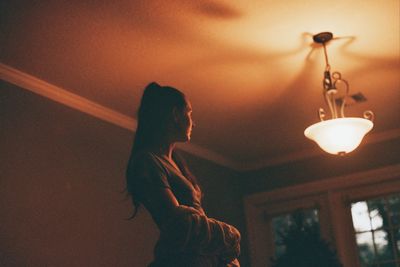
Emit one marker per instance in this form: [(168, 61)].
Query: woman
[(158, 179)]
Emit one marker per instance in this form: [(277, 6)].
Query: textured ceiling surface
[(250, 68)]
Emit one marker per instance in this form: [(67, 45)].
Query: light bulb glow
[(339, 136)]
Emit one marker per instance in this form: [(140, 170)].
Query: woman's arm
[(184, 228)]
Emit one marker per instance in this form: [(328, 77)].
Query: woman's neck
[(165, 150)]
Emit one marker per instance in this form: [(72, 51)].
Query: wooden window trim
[(334, 194)]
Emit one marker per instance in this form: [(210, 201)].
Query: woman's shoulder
[(143, 156), (145, 159), (144, 165)]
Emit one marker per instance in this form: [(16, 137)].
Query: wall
[(61, 183), (366, 157), (62, 177)]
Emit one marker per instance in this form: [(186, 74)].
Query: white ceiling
[(250, 68)]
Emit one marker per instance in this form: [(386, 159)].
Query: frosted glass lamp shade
[(339, 136)]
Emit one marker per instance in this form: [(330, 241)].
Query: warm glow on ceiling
[(246, 65)]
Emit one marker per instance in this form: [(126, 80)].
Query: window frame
[(363, 193), (271, 210), (333, 197)]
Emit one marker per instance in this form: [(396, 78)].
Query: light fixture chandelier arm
[(337, 77), (330, 88), (330, 101), (369, 115)]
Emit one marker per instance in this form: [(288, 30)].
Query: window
[(282, 225), (376, 225), (358, 215)]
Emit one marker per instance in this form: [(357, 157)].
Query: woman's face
[(185, 122)]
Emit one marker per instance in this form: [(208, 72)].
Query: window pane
[(383, 247), (394, 206), (361, 221), (397, 241), (365, 248), (376, 219), (279, 250), (376, 223), (281, 225), (393, 264), (377, 212)]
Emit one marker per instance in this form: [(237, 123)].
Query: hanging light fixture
[(338, 135)]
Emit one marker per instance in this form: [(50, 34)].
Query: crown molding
[(209, 155), (331, 184), (62, 96), (65, 97), (371, 138)]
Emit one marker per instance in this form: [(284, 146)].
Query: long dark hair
[(154, 115)]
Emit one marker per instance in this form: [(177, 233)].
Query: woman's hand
[(234, 263)]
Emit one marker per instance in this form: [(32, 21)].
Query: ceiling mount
[(323, 37)]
